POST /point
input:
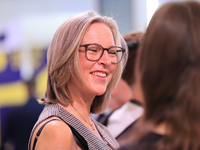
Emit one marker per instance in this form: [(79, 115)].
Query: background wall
[(27, 27)]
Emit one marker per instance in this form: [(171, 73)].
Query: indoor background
[(27, 27)]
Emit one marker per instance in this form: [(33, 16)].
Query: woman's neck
[(80, 94)]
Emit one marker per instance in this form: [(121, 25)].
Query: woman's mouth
[(100, 74)]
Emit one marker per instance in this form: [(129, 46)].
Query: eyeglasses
[(94, 52)]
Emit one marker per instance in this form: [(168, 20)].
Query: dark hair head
[(169, 70), (133, 40)]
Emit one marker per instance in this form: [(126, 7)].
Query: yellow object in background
[(14, 93), (41, 83), (3, 61)]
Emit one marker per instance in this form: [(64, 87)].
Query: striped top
[(94, 143)]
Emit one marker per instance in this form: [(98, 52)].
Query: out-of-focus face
[(137, 88), (97, 74), (121, 94)]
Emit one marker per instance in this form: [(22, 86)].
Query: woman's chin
[(99, 93)]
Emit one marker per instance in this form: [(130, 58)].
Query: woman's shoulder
[(57, 128), (56, 134)]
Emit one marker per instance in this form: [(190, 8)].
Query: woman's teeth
[(101, 74)]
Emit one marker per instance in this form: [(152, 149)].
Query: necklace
[(83, 117)]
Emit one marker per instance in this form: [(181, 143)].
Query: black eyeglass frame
[(107, 49)]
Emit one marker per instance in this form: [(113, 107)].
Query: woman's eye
[(92, 50), (112, 52)]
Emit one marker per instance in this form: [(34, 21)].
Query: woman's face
[(97, 74)]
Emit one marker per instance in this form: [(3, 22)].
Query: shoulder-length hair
[(63, 59), (168, 65)]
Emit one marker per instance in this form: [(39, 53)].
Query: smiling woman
[(85, 62)]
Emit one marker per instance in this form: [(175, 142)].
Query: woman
[(168, 80), (85, 61)]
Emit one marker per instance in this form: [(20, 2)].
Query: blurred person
[(121, 122), (85, 62), (123, 110), (20, 121), (120, 95), (168, 80)]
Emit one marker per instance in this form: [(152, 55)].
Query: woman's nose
[(105, 59)]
